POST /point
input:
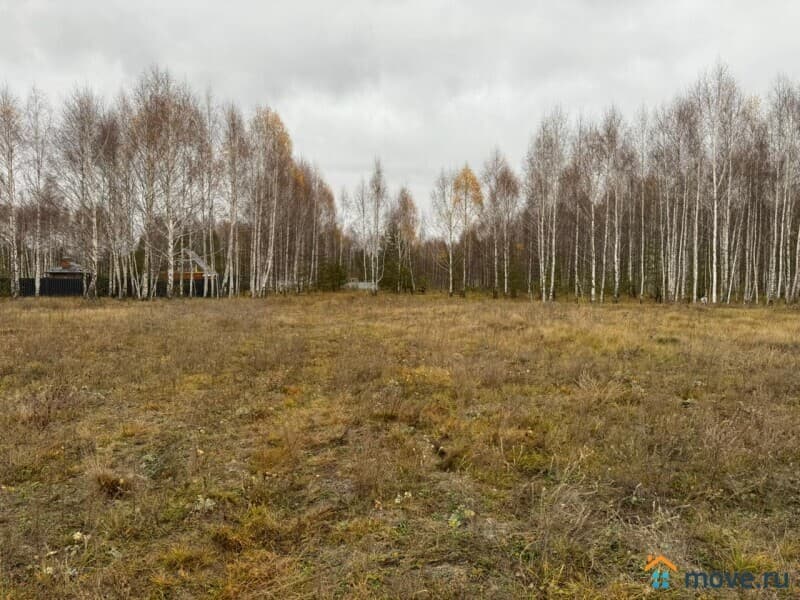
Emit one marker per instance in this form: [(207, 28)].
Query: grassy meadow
[(348, 446)]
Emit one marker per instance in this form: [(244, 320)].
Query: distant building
[(190, 266), (66, 269), (65, 279), (355, 284)]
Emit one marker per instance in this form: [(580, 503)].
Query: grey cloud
[(422, 84)]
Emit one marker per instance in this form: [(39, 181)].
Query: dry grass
[(344, 446)]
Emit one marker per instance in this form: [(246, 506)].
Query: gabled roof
[(193, 257)]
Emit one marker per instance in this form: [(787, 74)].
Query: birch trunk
[(594, 257), (616, 245), (553, 252)]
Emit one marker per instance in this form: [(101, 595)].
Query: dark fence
[(198, 286), (54, 286), (51, 286)]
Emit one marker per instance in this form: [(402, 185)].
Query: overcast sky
[(423, 85)]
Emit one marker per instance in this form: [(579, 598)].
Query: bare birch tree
[(11, 149)]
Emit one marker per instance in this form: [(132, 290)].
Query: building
[(67, 269), (65, 279), (193, 271), (190, 266), (355, 284)]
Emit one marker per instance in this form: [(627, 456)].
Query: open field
[(344, 446)]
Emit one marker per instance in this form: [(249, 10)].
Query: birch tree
[(783, 146), (405, 224), (37, 136), (718, 97), (447, 215), (377, 214), (596, 174), (272, 151), (11, 143), (469, 200), (80, 147), (235, 151), (544, 170), (503, 194)]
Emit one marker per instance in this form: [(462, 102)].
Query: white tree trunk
[(594, 257)]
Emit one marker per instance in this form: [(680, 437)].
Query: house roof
[(193, 257), (67, 266)]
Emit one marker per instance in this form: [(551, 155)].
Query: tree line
[(690, 201), (127, 186)]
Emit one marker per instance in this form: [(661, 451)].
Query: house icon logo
[(660, 567)]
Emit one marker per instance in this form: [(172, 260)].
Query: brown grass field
[(345, 446)]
